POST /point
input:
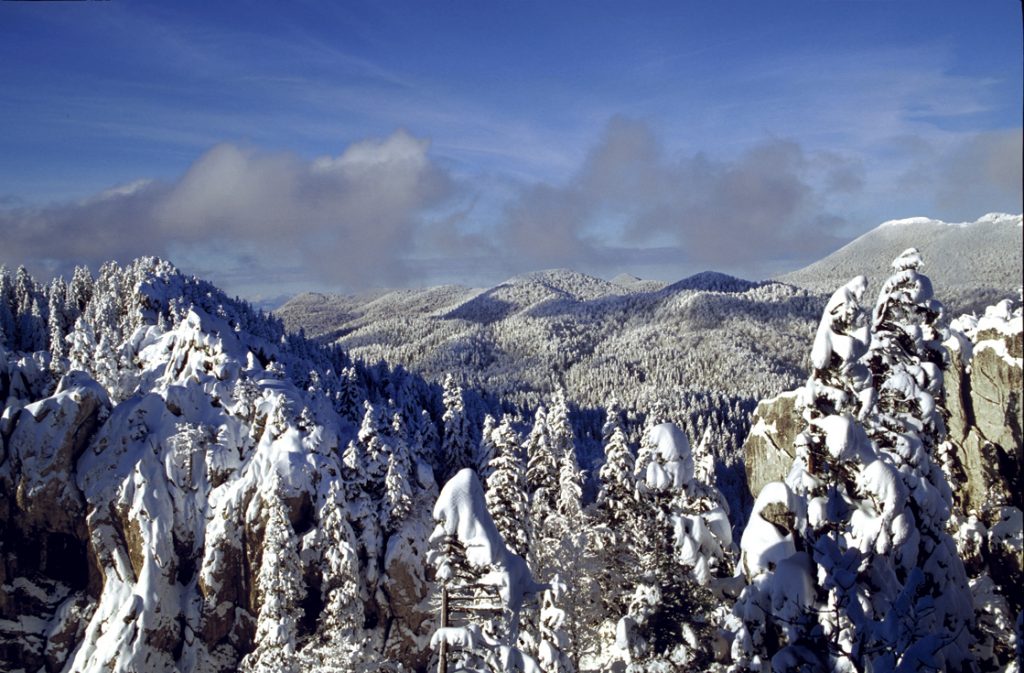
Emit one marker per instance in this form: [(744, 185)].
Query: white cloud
[(384, 212), (347, 220)]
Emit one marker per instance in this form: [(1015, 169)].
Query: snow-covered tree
[(612, 419), (59, 325), (907, 424), (554, 639), (617, 497), (541, 469), (685, 541), (371, 437), (506, 495), (8, 308), (486, 451), (559, 427), (863, 519), (478, 578), (398, 491), (280, 592), (339, 645), (457, 448), (657, 415)]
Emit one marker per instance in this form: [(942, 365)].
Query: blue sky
[(275, 147)]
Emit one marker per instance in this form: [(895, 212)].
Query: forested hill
[(523, 338), (185, 486)]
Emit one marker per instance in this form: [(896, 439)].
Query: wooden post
[(442, 653)]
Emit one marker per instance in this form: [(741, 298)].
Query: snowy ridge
[(524, 338), (210, 468), (713, 281), (988, 218), (186, 487), (971, 264)]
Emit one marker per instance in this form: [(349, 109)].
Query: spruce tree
[(280, 592), (541, 469), (457, 443), (617, 497), (870, 580), (907, 424), (506, 490), (486, 451), (398, 490), (554, 638)]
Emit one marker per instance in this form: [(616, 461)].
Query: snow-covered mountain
[(633, 340), (185, 486), (703, 350), (971, 264)]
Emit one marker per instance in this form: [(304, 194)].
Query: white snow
[(676, 461), (763, 543), (847, 346), (461, 510)]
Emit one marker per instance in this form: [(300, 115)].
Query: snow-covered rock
[(184, 506)]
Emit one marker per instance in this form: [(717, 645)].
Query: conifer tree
[(56, 311), (457, 443), (79, 293), (541, 469), (907, 424), (371, 440), (613, 419), (668, 618), (486, 451), (350, 395), (859, 587), (554, 639), (338, 646), (8, 308), (617, 498), (280, 592), (562, 439), (398, 490), (506, 490), (657, 415), (619, 525)]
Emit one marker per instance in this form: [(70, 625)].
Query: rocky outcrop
[(984, 399), (983, 395), (135, 536), (44, 567), (47, 440), (768, 451)]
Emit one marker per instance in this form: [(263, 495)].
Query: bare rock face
[(405, 567), (48, 438), (984, 400), (768, 451), (44, 567)]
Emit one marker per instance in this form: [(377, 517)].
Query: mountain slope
[(523, 338), (971, 264), (190, 488)]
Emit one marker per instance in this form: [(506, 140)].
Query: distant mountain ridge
[(535, 332), (713, 281), (971, 264)]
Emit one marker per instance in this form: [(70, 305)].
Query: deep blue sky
[(282, 146)]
